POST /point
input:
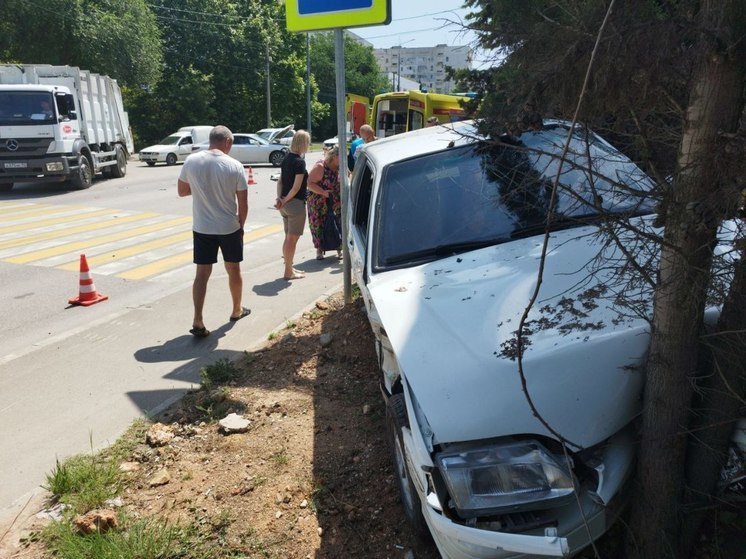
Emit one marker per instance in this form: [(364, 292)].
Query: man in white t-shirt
[(217, 184)]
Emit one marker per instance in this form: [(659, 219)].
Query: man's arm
[(242, 197), (184, 188)]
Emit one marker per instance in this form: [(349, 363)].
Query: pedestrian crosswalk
[(127, 244)]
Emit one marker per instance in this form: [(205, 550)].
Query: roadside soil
[(311, 477)]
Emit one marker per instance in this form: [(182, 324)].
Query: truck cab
[(60, 123)]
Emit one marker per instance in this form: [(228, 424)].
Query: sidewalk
[(80, 394)]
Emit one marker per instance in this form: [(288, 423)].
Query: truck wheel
[(276, 158), (171, 159), (84, 176), (120, 169), (396, 420), (6, 186)]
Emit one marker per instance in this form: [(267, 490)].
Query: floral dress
[(317, 205)]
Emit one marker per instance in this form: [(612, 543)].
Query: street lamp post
[(398, 71)]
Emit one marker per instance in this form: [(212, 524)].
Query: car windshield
[(486, 193), (266, 134), (170, 140), (258, 139)]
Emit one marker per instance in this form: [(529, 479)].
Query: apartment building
[(424, 65)]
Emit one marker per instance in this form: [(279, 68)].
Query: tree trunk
[(722, 397), (691, 224)]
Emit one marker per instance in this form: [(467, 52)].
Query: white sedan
[(250, 149)]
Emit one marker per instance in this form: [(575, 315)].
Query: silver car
[(250, 149)]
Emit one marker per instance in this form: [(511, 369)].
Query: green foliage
[(189, 62), (639, 80), (84, 481), (223, 370), (119, 38), (143, 538)]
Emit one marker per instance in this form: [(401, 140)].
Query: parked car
[(335, 140), (169, 150), (278, 135), (445, 239), (250, 149)]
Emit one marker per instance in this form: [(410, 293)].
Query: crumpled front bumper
[(571, 532)]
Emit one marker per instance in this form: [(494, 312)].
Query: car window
[(185, 141), (360, 196), (486, 193), (240, 140)]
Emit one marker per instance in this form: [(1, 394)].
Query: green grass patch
[(223, 370), (141, 539), (84, 481)]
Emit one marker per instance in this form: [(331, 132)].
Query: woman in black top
[(291, 199)]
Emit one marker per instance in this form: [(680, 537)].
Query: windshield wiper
[(466, 246), (444, 250)]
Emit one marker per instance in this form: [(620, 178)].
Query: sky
[(419, 23)]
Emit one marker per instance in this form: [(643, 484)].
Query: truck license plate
[(13, 165)]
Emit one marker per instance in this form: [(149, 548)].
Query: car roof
[(419, 142)]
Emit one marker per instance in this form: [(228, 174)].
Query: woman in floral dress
[(323, 182)]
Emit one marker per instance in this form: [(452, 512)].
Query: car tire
[(150, 163), (171, 159), (396, 420), (6, 186), (84, 175), (120, 169), (276, 158)]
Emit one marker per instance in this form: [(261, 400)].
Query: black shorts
[(206, 247)]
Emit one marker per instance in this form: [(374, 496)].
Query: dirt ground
[(311, 477)]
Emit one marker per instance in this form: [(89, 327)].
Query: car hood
[(452, 326), (280, 132)]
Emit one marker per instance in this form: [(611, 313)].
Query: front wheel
[(84, 177), (396, 420), (276, 158), (171, 159), (120, 169), (6, 186), (150, 163)]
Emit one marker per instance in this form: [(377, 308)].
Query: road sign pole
[(339, 55)]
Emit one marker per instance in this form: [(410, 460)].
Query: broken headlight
[(504, 477)]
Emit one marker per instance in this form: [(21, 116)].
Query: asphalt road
[(75, 377)]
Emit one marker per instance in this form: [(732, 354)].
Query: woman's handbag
[(331, 236)]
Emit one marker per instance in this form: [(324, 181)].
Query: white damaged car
[(445, 235)]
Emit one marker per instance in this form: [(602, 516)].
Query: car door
[(240, 149), (256, 151), (184, 148)]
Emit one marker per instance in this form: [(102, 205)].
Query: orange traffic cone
[(250, 177), (87, 294)]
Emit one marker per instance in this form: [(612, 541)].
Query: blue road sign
[(308, 7)]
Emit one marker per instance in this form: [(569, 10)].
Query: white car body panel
[(249, 149), (585, 384)]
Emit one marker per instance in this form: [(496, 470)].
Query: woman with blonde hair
[(323, 185), (291, 199)]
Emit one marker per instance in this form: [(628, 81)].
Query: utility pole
[(308, 83), (269, 93)]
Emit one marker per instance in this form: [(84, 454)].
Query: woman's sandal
[(319, 254)]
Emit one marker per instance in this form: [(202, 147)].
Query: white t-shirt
[(214, 179)]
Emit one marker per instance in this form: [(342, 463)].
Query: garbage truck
[(60, 124)]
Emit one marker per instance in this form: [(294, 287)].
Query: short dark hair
[(219, 134)]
